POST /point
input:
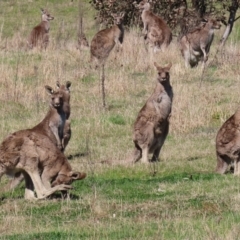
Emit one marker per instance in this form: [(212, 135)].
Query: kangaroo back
[(104, 41), (40, 34), (195, 45)]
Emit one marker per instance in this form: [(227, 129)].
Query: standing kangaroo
[(54, 125), (65, 90), (103, 43), (195, 45), (152, 123), (40, 34), (155, 29), (34, 154), (228, 144)]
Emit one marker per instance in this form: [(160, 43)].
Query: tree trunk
[(232, 9)]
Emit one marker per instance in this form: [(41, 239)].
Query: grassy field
[(179, 197)]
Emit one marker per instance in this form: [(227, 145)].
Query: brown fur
[(34, 154), (55, 125), (152, 123), (228, 144), (195, 45), (40, 34), (67, 133), (155, 30), (104, 41), (65, 90)]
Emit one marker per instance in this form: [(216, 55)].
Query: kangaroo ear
[(169, 66), (156, 65), (49, 89), (77, 175), (42, 10), (68, 85), (122, 14), (204, 20), (58, 84)]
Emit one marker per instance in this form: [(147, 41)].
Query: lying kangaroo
[(54, 125), (228, 144), (33, 154), (155, 29), (40, 33), (104, 41), (195, 45), (152, 123)]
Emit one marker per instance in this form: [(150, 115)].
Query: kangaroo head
[(118, 18), (65, 87), (46, 15), (213, 23), (56, 97), (144, 5), (65, 90), (68, 178), (163, 72)]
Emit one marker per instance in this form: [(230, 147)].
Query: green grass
[(180, 197), (134, 204)]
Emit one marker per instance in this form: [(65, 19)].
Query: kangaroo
[(152, 123), (32, 154), (40, 34), (67, 133), (104, 41), (155, 29), (195, 45), (65, 90), (228, 144), (54, 125)]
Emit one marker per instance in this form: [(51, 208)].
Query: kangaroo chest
[(45, 27), (61, 122), (163, 104), (56, 124)]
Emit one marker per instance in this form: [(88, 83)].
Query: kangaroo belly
[(163, 106)]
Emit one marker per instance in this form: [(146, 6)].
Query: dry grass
[(105, 135), (130, 79)]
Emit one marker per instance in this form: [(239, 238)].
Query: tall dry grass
[(105, 136), (130, 79), (198, 109)]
